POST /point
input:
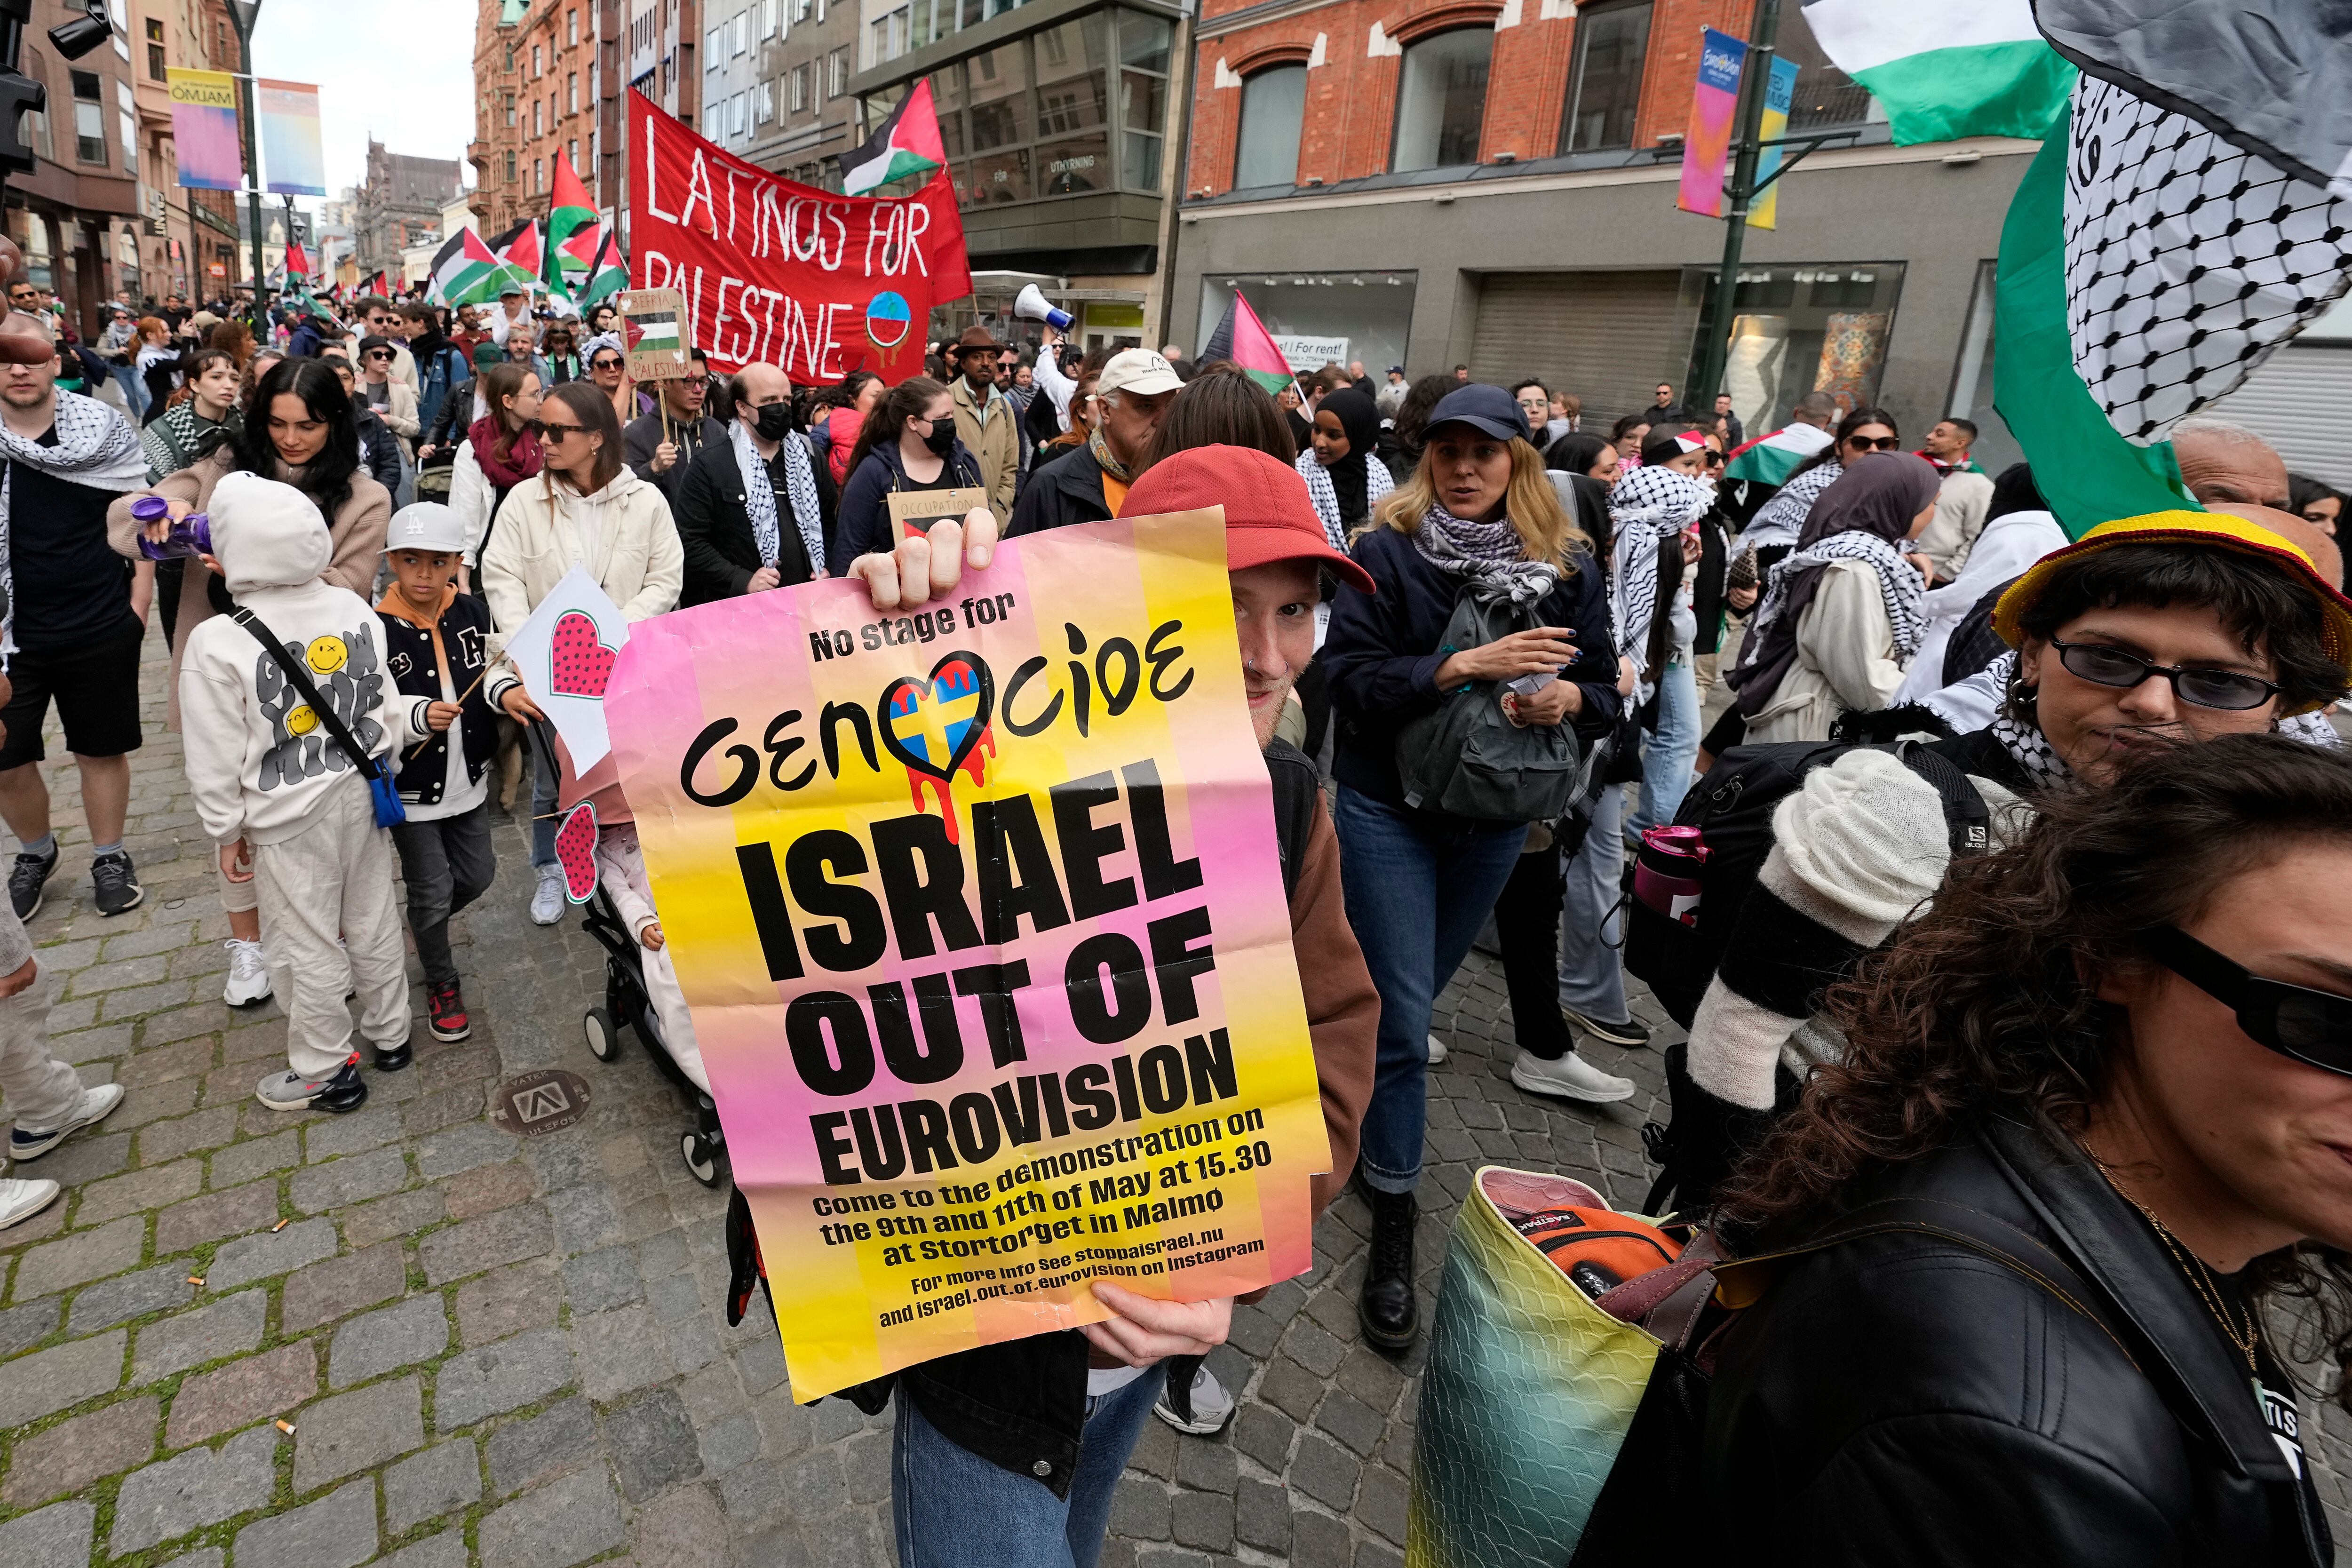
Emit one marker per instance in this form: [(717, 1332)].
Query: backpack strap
[(1965, 812), (299, 679)]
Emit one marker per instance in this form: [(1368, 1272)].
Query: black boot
[(1389, 1315)]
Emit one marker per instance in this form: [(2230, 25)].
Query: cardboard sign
[(980, 913), (653, 323), (919, 510), (564, 655)]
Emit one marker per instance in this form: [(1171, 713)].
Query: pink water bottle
[(1666, 872), (191, 536)]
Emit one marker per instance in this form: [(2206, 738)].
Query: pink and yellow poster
[(211, 151), (1706, 144), (980, 915)]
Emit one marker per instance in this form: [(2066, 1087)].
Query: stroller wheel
[(701, 1157), (604, 1038)]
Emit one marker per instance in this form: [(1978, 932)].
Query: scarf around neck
[(1487, 554), (1324, 493), (1103, 454), (760, 498), (522, 459), (96, 448), (1772, 648)]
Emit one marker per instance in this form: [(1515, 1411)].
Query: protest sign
[(919, 510), (563, 655), (650, 318), (981, 917), (782, 274)]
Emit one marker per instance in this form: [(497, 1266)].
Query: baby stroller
[(627, 1002)]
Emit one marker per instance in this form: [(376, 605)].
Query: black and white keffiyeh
[(1781, 519), (760, 498), (1490, 553), (1647, 507), (1900, 586), (95, 447), (1320, 489)]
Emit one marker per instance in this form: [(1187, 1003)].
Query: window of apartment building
[(837, 72), (770, 11), (511, 109), (1143, 45), (801, 10), (739, 114), (572, 92), (889, 36), (89, 118), (572, 27), (711, 51), (572, 150), (800, 94), (538, 118), (537, 62), (36, 125), (742, 31), (1274, 108), (763, 102), (126, 113), (157, 60), (510, 168), (1604, 79), (1441, 99), (1072, 107), (537, 175)]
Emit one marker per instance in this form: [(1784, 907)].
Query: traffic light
[(86, 32)]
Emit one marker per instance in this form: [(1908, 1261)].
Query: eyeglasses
[(2313, 1027), (384, 354), (2221, 689), (600, 363), (547, 432), (1873, 444)]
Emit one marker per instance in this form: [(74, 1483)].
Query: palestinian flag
[(907, 144), (570, 216), (297, 264), (1770, 459), (1242, 338), (518, 250), (608, 269), (466, 271), (1966, 67)]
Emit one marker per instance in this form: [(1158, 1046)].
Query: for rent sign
[(779, 273), (981, 916)]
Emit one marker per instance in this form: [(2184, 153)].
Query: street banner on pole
[(290, 150), (783, 274), (1780, 93), (980, 913), (205, 129), (1706, 144)]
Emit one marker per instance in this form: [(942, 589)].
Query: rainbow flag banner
[(203, 128), (980, 915), (290, 150)]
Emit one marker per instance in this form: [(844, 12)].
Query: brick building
[(1500, 177), (399, 205), (78, 213)]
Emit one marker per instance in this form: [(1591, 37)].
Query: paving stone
[(225, 1327), (1140, 1510), (489, 1188), (500, 1377), (347, 1433), (596, 1281), (507, 1302), (353, 1179), (1208, 1467), (1262, 1515), (416, 1329), (208, 1557), (254, 1256), (325, 1291), (1319, 1541), (242, 1393), (149, 1189), (447, 1550), (1324, 1471), (75, 1453), (617, 1352), (1205, 1520), (525, 1453), (563, 1522), (21, 1328), (255, 1157), (681, 1529), (402, 1214), (336, 1532), (428, 1485), (653, 1443), (201, 1487), (1354, 1424), (445, 1106), (466, 1146), (32, 1387), (128, 1296), (469, 1248), (1382, 1500), (84, 1256), (57, 1536), (216, 1216), (370, 1127)]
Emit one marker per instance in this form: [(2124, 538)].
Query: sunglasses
[(547, 432), (602, 364), (384, 354), (1873, 444), (2313, 1027), (2222, 689)]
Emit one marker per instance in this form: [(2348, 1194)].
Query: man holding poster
[(1086, 1137)]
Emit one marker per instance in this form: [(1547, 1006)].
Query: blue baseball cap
[(1487, 409)]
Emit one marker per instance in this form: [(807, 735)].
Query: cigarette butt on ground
[(196, 1279), (278, 1226), (284, 1426)]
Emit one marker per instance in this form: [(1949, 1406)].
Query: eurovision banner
[(288, 126), (205, 130), (784, 274), (981, 917), (1706, 144), (1779, 95)]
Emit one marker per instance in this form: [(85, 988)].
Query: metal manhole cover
[(539, 1102)]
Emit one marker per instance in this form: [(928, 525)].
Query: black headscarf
[(1575, 453), (1359, 418)]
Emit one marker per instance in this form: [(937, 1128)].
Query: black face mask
[(774, 421), (943, 438)]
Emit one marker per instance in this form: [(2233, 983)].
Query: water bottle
[(191, 536), (1666, 872)]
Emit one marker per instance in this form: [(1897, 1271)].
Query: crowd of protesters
[(2098, 1017)]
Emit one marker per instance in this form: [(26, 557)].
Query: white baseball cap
[(1138, 369), (426, 525)]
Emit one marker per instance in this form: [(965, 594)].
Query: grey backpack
[(1465, 758)]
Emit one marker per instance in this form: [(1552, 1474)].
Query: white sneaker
[(1203, 1411), (248, 975), (547, 902), (22, 1200), (1437, 1052), (98, 1102), (1569, 1077)]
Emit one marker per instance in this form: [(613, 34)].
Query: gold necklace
[(2208, 1290)]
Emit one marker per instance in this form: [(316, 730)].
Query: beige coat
[(357, 531), (623, 534), (1845, 659), (987, 433), (400, 413)]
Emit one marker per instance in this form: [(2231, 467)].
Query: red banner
[(784, 274)]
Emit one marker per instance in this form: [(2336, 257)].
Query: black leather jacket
[(1908, 1400)]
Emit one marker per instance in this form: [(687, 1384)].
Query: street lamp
[(242, 13)]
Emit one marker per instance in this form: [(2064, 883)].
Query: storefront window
[(1072, 127), (1315, 317), (1818, 328), (1143, 44), (1441, 99), (1274, 107)]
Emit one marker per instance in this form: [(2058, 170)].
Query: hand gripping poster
[(980, 917)]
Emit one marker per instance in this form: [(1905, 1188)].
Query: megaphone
[(1031, 306)]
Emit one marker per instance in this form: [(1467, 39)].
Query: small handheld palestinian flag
[(907, 144), (1771, 458), (466, 270), (608, 270), (519, 249), (1243, 339)]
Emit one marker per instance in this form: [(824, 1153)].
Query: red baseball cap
[(1268, 515)]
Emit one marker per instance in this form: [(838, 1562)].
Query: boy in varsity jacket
[(436, 650)]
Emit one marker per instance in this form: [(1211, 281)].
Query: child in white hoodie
[(286, 805)]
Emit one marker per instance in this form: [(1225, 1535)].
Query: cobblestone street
[(247, 1340)]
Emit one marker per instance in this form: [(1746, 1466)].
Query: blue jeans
[(134, 389), (1591, 978), (1669, 751), (950, 1508), (543, 787), (1416, 896)]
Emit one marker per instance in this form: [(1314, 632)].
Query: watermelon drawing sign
[(777, 273)]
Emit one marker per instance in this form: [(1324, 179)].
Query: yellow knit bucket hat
[(2212, 529)]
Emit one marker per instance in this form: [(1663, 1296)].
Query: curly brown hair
[(1988, 1004)]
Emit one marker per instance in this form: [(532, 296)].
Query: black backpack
[(1732, 807)]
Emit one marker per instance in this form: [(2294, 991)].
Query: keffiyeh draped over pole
[(95, 447), (760, 498)]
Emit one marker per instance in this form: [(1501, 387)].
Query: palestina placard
[(981, 917)]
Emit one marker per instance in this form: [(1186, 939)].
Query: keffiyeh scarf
[(760, 498), (1326, 496), (1781, 519), (1488, 554), (2032, 751), (95, 447), (1646, 507)]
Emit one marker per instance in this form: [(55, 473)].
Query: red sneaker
[(447, 1010)]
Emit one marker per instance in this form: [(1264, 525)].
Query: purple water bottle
[(191, 536), (1668, 872)]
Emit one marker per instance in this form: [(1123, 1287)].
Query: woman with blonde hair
[(1478, 515)]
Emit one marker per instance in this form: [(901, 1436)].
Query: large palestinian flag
[(608, 269), (520, 250), (1964, 68), (467, 271), (908, 144), (1771, 458)]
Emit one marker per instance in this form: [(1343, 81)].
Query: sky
[(402, 76)]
